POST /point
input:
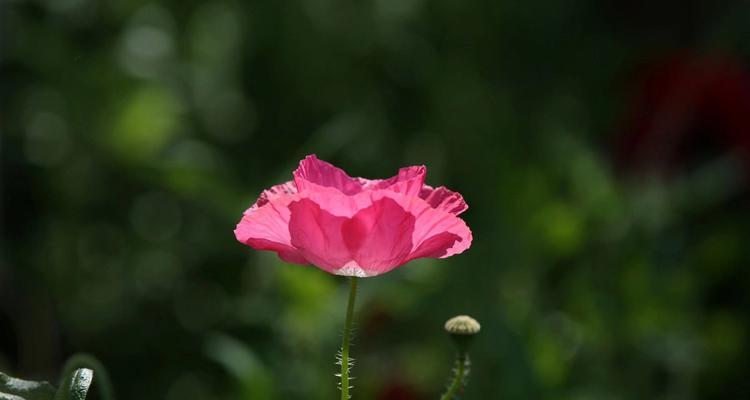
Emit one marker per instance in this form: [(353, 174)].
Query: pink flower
[(355, 226)]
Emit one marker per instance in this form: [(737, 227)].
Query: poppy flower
[(355, 226)]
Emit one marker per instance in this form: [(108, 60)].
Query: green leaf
[(80, 382), (19, 389), (77, 376), (76, 386)]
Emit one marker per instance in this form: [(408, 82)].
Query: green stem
[(344, 361), (461, 372)]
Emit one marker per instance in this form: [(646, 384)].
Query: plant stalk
[(461, 373), (344, 361)]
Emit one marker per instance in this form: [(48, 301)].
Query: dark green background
[(134, 134)]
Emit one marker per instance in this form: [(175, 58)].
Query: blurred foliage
[(135, 133)]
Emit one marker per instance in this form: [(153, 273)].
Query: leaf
[(77, 386), (80, 383), (19, 389), (77, 376)]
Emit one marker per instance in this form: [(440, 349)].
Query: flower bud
[(462, 329), (462, 325)]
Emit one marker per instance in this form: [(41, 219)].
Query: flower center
[(351, 269)]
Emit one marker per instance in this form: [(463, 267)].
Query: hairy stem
[(460, 375), (344, 361)]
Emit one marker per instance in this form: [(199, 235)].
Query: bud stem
[(345, 342), (460, 374)]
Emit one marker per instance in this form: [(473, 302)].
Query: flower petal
[(455, 236), (313, 174), (408, 181), (274, 192), (265, 227), (286, 253), (437, 233), (444, 199), (436, 246), (379, 237), (451, 231), (317, 235)]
